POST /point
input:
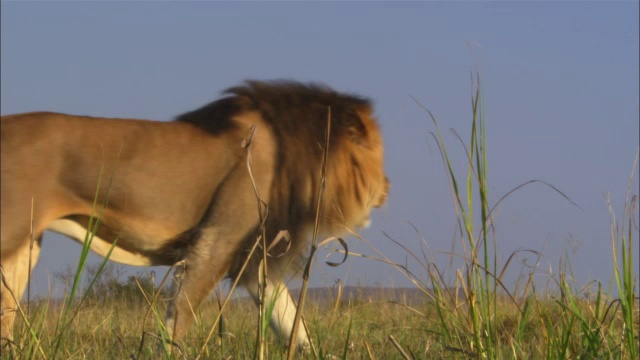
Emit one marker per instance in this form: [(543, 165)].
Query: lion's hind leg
[(15, 274)]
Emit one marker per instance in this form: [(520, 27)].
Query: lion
[(181, 192)]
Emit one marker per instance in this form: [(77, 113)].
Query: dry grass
[(115, 329)]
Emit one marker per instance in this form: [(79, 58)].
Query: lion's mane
[(297, 114)]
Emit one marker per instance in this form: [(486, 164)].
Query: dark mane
[(287, 105), (214, 117), (297, 114)]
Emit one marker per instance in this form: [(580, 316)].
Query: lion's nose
[(382, 198)]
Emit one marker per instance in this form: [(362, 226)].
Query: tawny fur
[(181, 190)]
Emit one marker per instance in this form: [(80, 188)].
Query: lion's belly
[(99, 245), (138, 242)]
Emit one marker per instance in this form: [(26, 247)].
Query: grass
[(116, 328), (475, 315)]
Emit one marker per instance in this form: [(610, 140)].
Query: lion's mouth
[(365, 223)]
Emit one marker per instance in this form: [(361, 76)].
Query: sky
[(560, 90)]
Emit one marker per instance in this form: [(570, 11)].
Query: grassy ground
[(476, 316), (550, 328)]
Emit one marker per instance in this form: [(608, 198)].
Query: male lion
[(182, 190)]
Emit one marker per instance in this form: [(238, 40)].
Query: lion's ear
[(356, 129)]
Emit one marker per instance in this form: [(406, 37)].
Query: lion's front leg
[(283, 313), (194, 279)]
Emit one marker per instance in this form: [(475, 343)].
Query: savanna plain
[(475, 315)]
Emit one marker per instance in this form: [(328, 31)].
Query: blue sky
[(560, 85)]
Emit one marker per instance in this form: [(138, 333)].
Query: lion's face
[(361, 183), (379, 198)]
